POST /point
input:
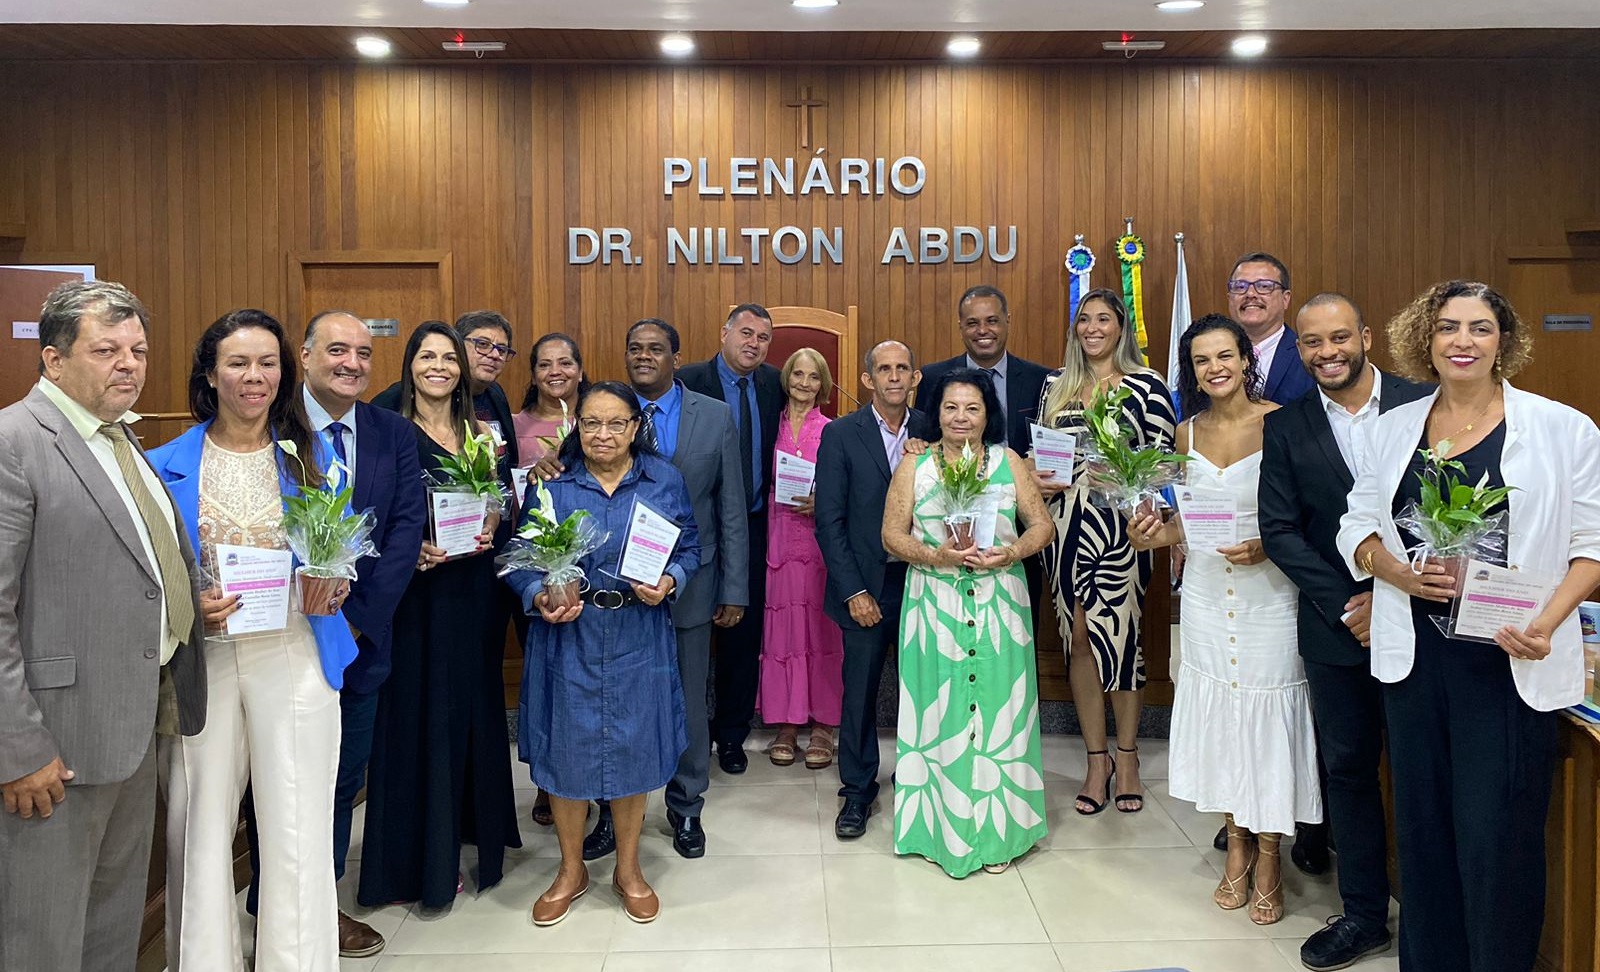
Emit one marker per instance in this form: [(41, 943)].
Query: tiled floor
[(777, 893)]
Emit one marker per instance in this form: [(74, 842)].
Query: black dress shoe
[(1310, 852), (688, 838), (1344, 942), (1220, 842), (852, 820), (602, 840), (732, 759)]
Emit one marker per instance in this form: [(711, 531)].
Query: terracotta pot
[(1456, 567), (962, 530), (316, 593)]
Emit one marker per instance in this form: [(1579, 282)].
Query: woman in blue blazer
[(273, 697)]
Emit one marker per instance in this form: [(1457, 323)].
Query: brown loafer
[(643, 908), (550, 909), (357, 939)]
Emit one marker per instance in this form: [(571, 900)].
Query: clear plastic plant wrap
[(554, 546), (962, 484), (475, 470), (1120, 476), (326, 536), (1454, 522)]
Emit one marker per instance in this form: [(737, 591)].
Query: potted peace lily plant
[(475, 470), (549, 543), (962, 483), (1454, 521), (1120, 476), (325, 535)]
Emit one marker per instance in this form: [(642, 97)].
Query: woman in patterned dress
[(969, 791), (1098, 579)]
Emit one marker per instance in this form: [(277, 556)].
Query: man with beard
[(1313, 450), (1258, 299)]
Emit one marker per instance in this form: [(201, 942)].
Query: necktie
[(163, 541), (994, 375), (336, 431), (746, 450), (650, 439)]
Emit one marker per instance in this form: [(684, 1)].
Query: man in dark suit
[(1258, 298), (855, 460), (697, 433), (984, 320), (101, 637), (739, 375), (1312, 452), (380, 449)]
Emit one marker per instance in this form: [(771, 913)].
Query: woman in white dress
[(1242, 741)]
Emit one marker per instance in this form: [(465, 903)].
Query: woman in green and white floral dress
[(969, 791)]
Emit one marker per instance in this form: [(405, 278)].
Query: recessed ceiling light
[(677, 45), (1174, 6), (963, 46), (815, 3), (447, 3), (370, 46), (1250, 45)]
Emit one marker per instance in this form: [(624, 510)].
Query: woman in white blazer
[(1472, 730)]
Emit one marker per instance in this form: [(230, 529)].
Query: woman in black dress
[(440, 774)]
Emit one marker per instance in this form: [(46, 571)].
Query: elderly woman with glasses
[(602, 709)]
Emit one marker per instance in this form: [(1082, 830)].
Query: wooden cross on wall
[(805, 103)]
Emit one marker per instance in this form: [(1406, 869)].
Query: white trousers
[(272, 718)]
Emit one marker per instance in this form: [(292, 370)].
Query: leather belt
[(608, 600)]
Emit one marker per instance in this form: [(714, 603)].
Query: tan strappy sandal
[(819, 749), (783, 748), (1233, 892), (1268, 906)]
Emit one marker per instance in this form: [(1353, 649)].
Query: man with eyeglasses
[(1258, 298)]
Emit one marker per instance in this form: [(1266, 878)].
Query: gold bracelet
[(1366, 563)]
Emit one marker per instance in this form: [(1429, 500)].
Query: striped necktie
[(650, 438), (163, 541)]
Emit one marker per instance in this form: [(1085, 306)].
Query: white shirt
[(88, 426), (1552, 456), (1266, 351), (1353, 430), (320, 420), (894, 443)]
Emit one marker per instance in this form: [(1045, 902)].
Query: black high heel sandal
[(1134, 798), (1098, 805)]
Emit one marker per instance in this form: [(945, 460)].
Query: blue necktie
[(336, 431)]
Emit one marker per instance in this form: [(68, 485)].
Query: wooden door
[(22, 294), (1562, 281), (408, 287)]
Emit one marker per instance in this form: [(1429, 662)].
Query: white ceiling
[(897, 15)]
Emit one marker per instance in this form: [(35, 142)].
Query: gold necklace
[(1447, 444)]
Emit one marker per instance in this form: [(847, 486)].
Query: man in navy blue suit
[(1258, 298), (379, 450)]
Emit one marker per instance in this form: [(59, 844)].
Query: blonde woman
[(1098, 580), (802, 653)]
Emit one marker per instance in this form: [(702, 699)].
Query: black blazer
[(1304, 490), (499, 407), (1024, 384), (852, 485), (702, 377), (1288, 381)]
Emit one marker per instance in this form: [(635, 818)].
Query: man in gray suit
[(100, 641), (697, 433)]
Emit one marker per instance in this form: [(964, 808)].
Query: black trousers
[(865, 650), (738, 668), (1472, 775), (1347, 704)]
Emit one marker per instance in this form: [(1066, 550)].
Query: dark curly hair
[(994, 429), (1196, 401)]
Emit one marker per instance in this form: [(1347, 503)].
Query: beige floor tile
[(385, 920), (497, 921), (1069, 830), (740, 821), (510, 962), (873, 900), (1308, 901), (922, 958), (1200, 828), (1154, 894), (728, 903), (729, 960), (879, 838), (358, 965), (1384, 962), (1198, 956)]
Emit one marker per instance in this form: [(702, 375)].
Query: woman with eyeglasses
[(602, 709), (439, 777)]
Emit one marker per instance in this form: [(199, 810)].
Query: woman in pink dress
[(557, 380), (802, 656)]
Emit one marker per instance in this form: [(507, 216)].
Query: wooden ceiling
[(145, 42)]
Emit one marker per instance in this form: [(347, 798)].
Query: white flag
[(1181, 318)]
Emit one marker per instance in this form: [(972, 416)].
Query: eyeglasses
[(1265, 288), (486, 347), (591, 426)]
